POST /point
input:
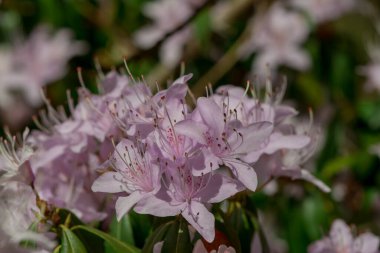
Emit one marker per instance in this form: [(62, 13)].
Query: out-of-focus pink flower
[(31, 64), (200, 248), (324, 10), (37, 61), (14, 159), (372, 70), (276, 38), (341, 240), (42, 58), (167, 15), (18, 212)]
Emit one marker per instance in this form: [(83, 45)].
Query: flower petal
[(341, 236), (157, 207), (219, 188), (279, 141), (201, 219), (199, 247), (121, 156), (192, 129), (284, 112), (211, 114), (303, 175), (107, 183), (366, 242), (244, 173), (254, 135), (124, 204), (157, 248)]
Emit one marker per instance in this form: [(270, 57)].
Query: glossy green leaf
[(117, 245), (70, 242), (157, 236), (122, 230), (177, 239)]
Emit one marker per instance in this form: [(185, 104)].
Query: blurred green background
[(348, 114)]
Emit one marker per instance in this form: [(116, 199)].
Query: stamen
[(127, 68), (80, 78)]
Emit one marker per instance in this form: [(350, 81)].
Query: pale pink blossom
[(325, 10), (200, 248), (342, 240), (135, 172), (167, 15), (276, 38), (29, 65)]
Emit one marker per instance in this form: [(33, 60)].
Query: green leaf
[(57, 249), (369, 111), (122, 230), (65, 216), (51, 11), (142, 227), (115, 244), (203, 27), (70, 242), (177, 238), (93, 243), (157, 236), (337, 165), (232, 226)]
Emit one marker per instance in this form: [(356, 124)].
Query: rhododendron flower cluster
[(174, 159), (155, 152)]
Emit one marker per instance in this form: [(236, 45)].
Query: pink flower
[(371, 70), (18, 212), (341, 240), (224, 144), (186, 194), (324, 10), (276, 38), (70, 149), (43, 57), (135, 173), (167, 15), (28, 66), (200, 248), (252, 111), (14, 159), (286, 147)]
